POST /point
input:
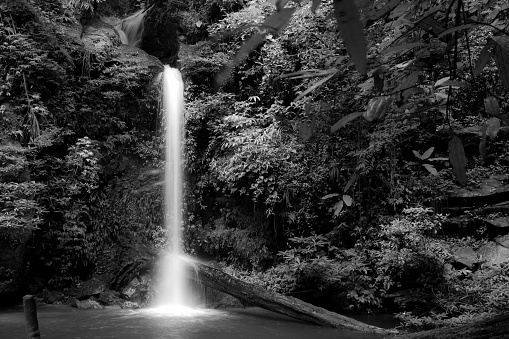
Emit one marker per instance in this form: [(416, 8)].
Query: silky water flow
[(173, 288)]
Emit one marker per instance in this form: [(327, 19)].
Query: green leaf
[(350, 182), (404, 47), (417, 154), (501, 56), (431, 169), (316, 85), (350, 26), (375, 15), (492, 128), (347, 199), (483, 59), (407, 84), (315, 5), (278, 20), (345, 120), (482, 144), (328, 196), (458, 159), (338, 207), (454, 29), (448, 82), (428, 153), (491, 105)]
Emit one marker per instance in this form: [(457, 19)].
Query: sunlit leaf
[(345, 120), (338, 207), (482, 144), (348, 200), (328, 196), (501, 56), (350, 182), (428, 153), (455, 83), (404, 47), (417, 154), (492, 127), (491, 105), (350, 26), (315, 5), (458, 159), (315, 86), (483, 59), (431, 169), (454, 29)]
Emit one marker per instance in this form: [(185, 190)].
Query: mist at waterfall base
[(172, 291)]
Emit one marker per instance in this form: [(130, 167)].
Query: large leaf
[(345, 120), (430, 25), (501, 56), (492, 128), (491, 106), (482, 144), (428, 153), (483, 59), (431, 169), (458, 159), (454, 29), (316, 85), (272, 24), (315, 5), (374, 15), (404, 47), (408, 83), (348, 200), (350, 26)]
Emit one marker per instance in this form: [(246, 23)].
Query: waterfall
[(130, 29), (173, 288)]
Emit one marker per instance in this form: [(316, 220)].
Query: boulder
[(465, 256), (160, 35), (98, 35), (138, 290), (503, 241), (498, 226), (13, 263), (87, 304), (91, 287), (493, 253)]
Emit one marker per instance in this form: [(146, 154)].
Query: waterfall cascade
[(130, 29), (174, 287)]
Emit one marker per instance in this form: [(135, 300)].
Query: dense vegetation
[(311, 170)]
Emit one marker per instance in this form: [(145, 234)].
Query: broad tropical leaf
[(315, 5), (455, 83), (316, 85), (374, 15), (458, 159), (491, 105), (350, 26), (345, 120), (483, 59), (428, 153), (454, 29), (399, 48), (431, 169), (501, 56), (482, 144), (348, 200), (492, 128)]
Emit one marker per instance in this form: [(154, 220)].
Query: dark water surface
[(64, 322)]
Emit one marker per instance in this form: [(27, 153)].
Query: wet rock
[(498, 226), (87, 304), (13, 263), (91, 287), (226, 301), (160, 36), (464, 256), (98, 35), (491, 191), (130, 304), (138, 290), (110, 298), (503, 241), (52, 297), (494, 253)]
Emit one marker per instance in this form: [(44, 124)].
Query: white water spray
[(173, 287), (130, 29)]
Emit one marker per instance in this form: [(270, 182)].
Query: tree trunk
[(494, 328), (292, 307)]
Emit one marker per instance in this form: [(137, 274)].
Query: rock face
[(13, 263), (160, 36)]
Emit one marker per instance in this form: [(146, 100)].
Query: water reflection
[(64, 322)]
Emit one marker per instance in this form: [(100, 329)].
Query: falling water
[(130, 29), (172, 289)]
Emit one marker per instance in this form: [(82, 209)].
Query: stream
[(64, 322)]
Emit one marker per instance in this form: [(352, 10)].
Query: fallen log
[(493, 328), (290, 306)]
